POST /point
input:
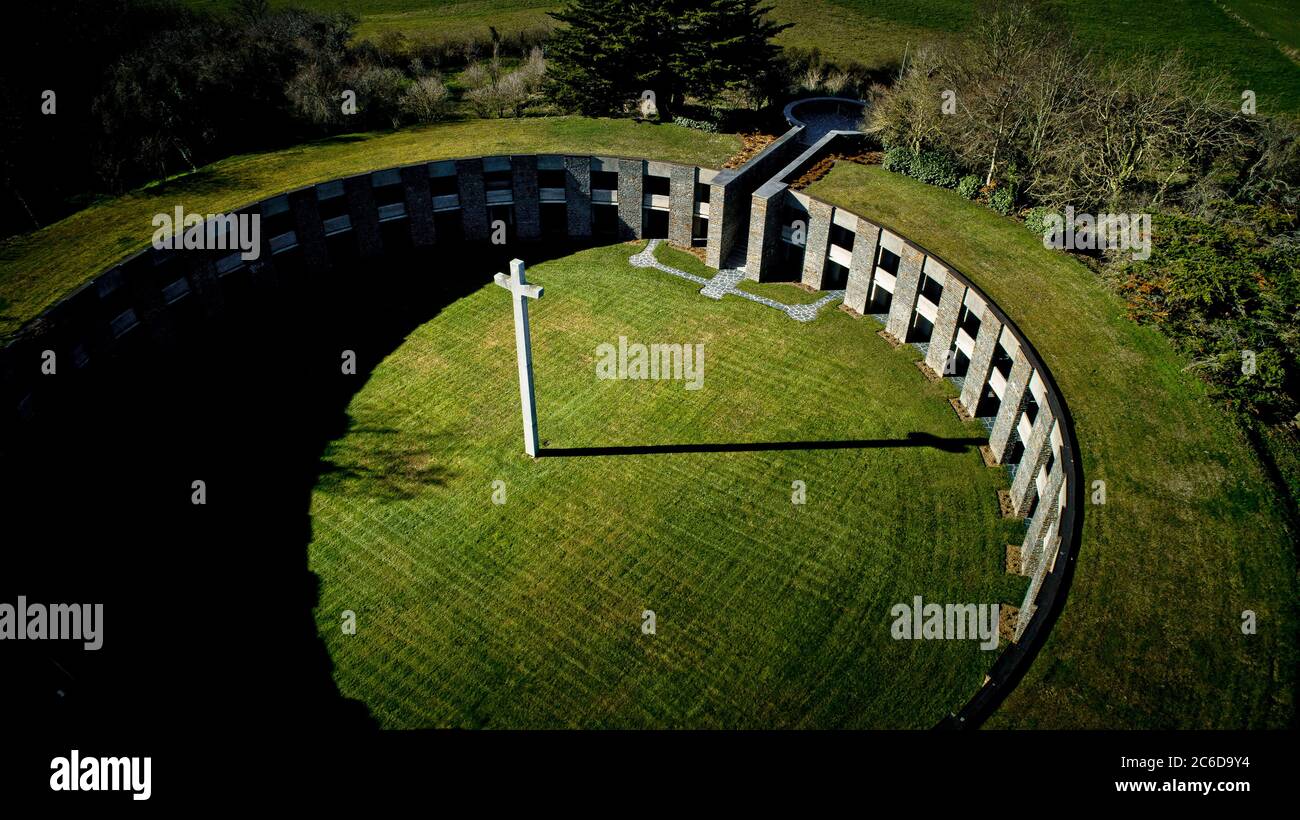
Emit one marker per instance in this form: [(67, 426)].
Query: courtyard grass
[(38, 268), (1190, 535), (769, 614)]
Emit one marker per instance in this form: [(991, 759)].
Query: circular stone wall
[(152, 298)]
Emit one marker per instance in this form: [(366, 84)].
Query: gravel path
[(725, 282)]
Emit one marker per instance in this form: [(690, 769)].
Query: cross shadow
[(913, 439)]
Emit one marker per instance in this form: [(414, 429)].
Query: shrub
[(935, 168), (379, 91), (969, 186), (1036, 218), (899, 159), (1003, 199), (427, 100)]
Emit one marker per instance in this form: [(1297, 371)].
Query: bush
[(931, 167), (935, 168), (427, 100), (899, 159), (969, 186), (1036, 218), (1003, 199)]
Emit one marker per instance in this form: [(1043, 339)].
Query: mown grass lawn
[(37, 268), (1190, 535), (528, 613)]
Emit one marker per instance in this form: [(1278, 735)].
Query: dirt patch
[(1007, 617), (961, 411), (750, 145), (928, 372), (889, 337), (987, 454), (850, 311), (1005, 506), (1013, 559), (823, 166)]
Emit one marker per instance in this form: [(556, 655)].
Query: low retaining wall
[(918, 297)]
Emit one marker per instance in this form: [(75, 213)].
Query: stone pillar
[(1037, 451), (631, 187), (419, 205), (577, 194), (819, 240), (866, 240), (207, 282), (981, 361), (528, 203), (1032, 549), (1014, 397), (723, 220), (146, 294), (905, 287), (764, 230), (473, 198), (363, 215), (945, 324), (311, 233), (681, 204)]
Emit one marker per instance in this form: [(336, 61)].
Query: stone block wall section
[(527, 197), (902, 310), (681, 208), (818, 243), (764, 229), (944, 334), (577, 195), (862, 267), (146, 297), (473, 198), (631, 184), (363, 214), (730, 192), (1014, 397)]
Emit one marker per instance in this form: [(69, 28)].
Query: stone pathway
[(726, 281)]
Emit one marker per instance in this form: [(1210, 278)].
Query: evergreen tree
[(612, 50)]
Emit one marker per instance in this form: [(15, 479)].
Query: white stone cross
[(521, 291)]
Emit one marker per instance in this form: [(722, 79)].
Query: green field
[(1279, 19), (1191, 533), (879, 32), (768, 613), (33, 275)]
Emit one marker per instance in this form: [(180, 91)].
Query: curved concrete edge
[(144, 295)]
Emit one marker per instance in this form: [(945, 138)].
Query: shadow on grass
[(914, 439), (382, 463), (212, 609)]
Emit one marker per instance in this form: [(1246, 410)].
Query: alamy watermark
[(189, 231), (945, 622), (637, 361), (75, 773), (1090, 232), (53, 622)]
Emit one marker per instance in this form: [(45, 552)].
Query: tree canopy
[(613, 50)]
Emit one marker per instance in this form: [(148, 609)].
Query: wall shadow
[(209, 622)]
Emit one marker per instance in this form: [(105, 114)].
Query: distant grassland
[(877, 33), (1279, 19)]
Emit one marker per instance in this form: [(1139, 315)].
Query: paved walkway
[(725, 282)]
